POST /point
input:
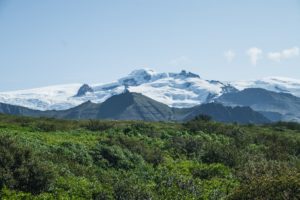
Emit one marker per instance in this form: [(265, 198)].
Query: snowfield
[(275, 84), (183, 89)]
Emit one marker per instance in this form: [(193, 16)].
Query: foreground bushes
[(270, 188), (20, 170), (201, 159)]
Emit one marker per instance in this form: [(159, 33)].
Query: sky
[(48, 42)]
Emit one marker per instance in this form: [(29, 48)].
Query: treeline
[(200, 159)]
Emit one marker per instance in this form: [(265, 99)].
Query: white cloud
[(255, 54), (284, 54), (275, 56), (181, 61), (229, 55), (288, 53)]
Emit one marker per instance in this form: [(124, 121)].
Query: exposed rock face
[(135, 106), (85, 88), (188, 74)]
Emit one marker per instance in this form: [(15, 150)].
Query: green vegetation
[(200, 159)]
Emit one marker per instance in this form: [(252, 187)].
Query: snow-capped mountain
[(183, 89), (53, 97), (275, 84)]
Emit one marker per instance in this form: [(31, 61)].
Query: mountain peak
[(142, 72), (141, 76), (85, 88), (138, 77), (188, 74)]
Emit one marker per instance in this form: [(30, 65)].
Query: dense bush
[(270, 188), (200, 159), (73, 152), (288, 125), (132, 187), (46, 126), (205, 118), (114, 156), (150, 152), (19, 169), (96, 125)]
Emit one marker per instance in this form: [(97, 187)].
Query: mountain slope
[(265, 101), (134, 106), (275, 84), (58, 97), (125, 106), (227, 114), (18, 110)]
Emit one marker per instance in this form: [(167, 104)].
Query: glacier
[(182, 90)]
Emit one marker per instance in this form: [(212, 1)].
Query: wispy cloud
[(284, 54), (274, 56), (181, 61), (229, 55), (255, 54)]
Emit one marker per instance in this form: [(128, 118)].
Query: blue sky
[(45, 42)]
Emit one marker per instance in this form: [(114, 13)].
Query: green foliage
[(114, 156), (150, 152), (73, 152), (19, 169), (270, 188), (210, 171), (46, 126), (202, 117), (201, 159), (132, 187), (288, 125), (79, 188), (96, 125)]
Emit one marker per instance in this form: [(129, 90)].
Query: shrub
[(270, 188), (96, 125), (192, 147), (20, 170), (202, 117), (288, 125), (73, 152), (72, 187), (114, 156), (150, 152), (174, 185), (132, 187), (210, 171), (46, 126), (221, 153), (141, 128)]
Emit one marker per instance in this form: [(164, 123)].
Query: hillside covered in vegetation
[(200, 159)]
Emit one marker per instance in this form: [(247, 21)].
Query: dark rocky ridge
[(85, 88), (135, 106)]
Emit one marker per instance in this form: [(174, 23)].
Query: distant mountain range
[(273, 105), (183, 89), (274, 97), (135, 106)]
